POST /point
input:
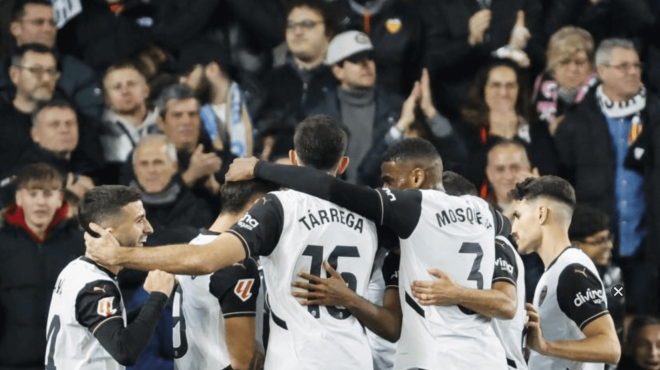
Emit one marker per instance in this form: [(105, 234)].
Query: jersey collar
[(562, 252), (89, 260)]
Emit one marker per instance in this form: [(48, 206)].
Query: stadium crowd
[(161, 97)]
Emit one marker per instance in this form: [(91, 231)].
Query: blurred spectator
[(32, 22), (127, 117), (293, 89), (172, 208), (642, 347), (34, 74), (507, 165), (461, 35), (397, 36), (568, 77), (590, 231), (499, 109), (602, 18), (207, 70), (55, 136), (604, 147), (36, 243), (366, 111)]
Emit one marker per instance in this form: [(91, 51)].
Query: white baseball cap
[(347, 44)]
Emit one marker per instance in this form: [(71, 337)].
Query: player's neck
[(224, 222), (114, 269), (554, 242)]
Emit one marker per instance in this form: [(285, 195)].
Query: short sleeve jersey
[(568, 297), (86, 296), (295, 232), (201, 306), (456, 235)]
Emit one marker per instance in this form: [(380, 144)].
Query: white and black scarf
[(632, 106)]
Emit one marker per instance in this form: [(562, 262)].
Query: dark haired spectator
[(460, 35), (293, 89), (499, 109), (32, 22), (36, 243), (128, 116), (225, 113), (605, 146), (397, 36), (642, 347), (590, 231), (568, 77)]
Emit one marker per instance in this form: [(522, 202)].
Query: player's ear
[(343, 164), (418, 176), (293, 157), (542, 213)]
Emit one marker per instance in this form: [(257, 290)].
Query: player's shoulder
[(205, 236), (246, 269), (570, 258)]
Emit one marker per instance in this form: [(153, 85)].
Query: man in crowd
[(605, 147), (36, 243), (207, 70), (32, 22)]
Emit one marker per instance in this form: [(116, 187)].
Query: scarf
[(237, 131), (551, 101), (632, 106), (167, 196), (16, 217)]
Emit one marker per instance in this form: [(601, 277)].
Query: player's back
[(455, 235), (70, 344), (313, 337), (201, 305)]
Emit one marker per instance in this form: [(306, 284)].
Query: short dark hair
[(19, 54), (236, 195), (329, 14), (412, 148), (38, 176), (104, 202), (586, 222), (552, 187), (18, 10), (174, 92), (636, 326), (458, 185), (127, 64), (320, 142), (53, 103)]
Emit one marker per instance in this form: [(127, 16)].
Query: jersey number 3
[(475, 274), (316, 252)]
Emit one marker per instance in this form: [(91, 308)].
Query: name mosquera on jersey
[(473, 216)]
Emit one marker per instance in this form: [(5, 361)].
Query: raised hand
[(426, 100), (407, 117), (241, 169), (105, 249), (332, 291), (478, 24), (201, 165), (442, 291), (519, 33)]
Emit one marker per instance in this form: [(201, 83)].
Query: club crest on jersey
[(242, 289), (247, 222), (105, 308), (544, 292)]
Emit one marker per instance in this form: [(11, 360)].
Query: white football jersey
[(509, 266), (201, 305), (569, 296), (455, 235), (85, 296), (294, 233)]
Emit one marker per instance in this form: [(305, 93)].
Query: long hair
[(476, 111)]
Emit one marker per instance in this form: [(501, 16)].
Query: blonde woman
[(568, 77)]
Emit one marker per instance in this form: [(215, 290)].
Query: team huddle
[(348, 270)]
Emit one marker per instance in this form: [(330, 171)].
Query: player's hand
[(332, 291), (160, 281), (478, 24), (104, 249), (441, 292), (241, 169), (535, 339)]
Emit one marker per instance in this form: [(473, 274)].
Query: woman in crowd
[(568, 77), (642, 348), (499, 108)]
